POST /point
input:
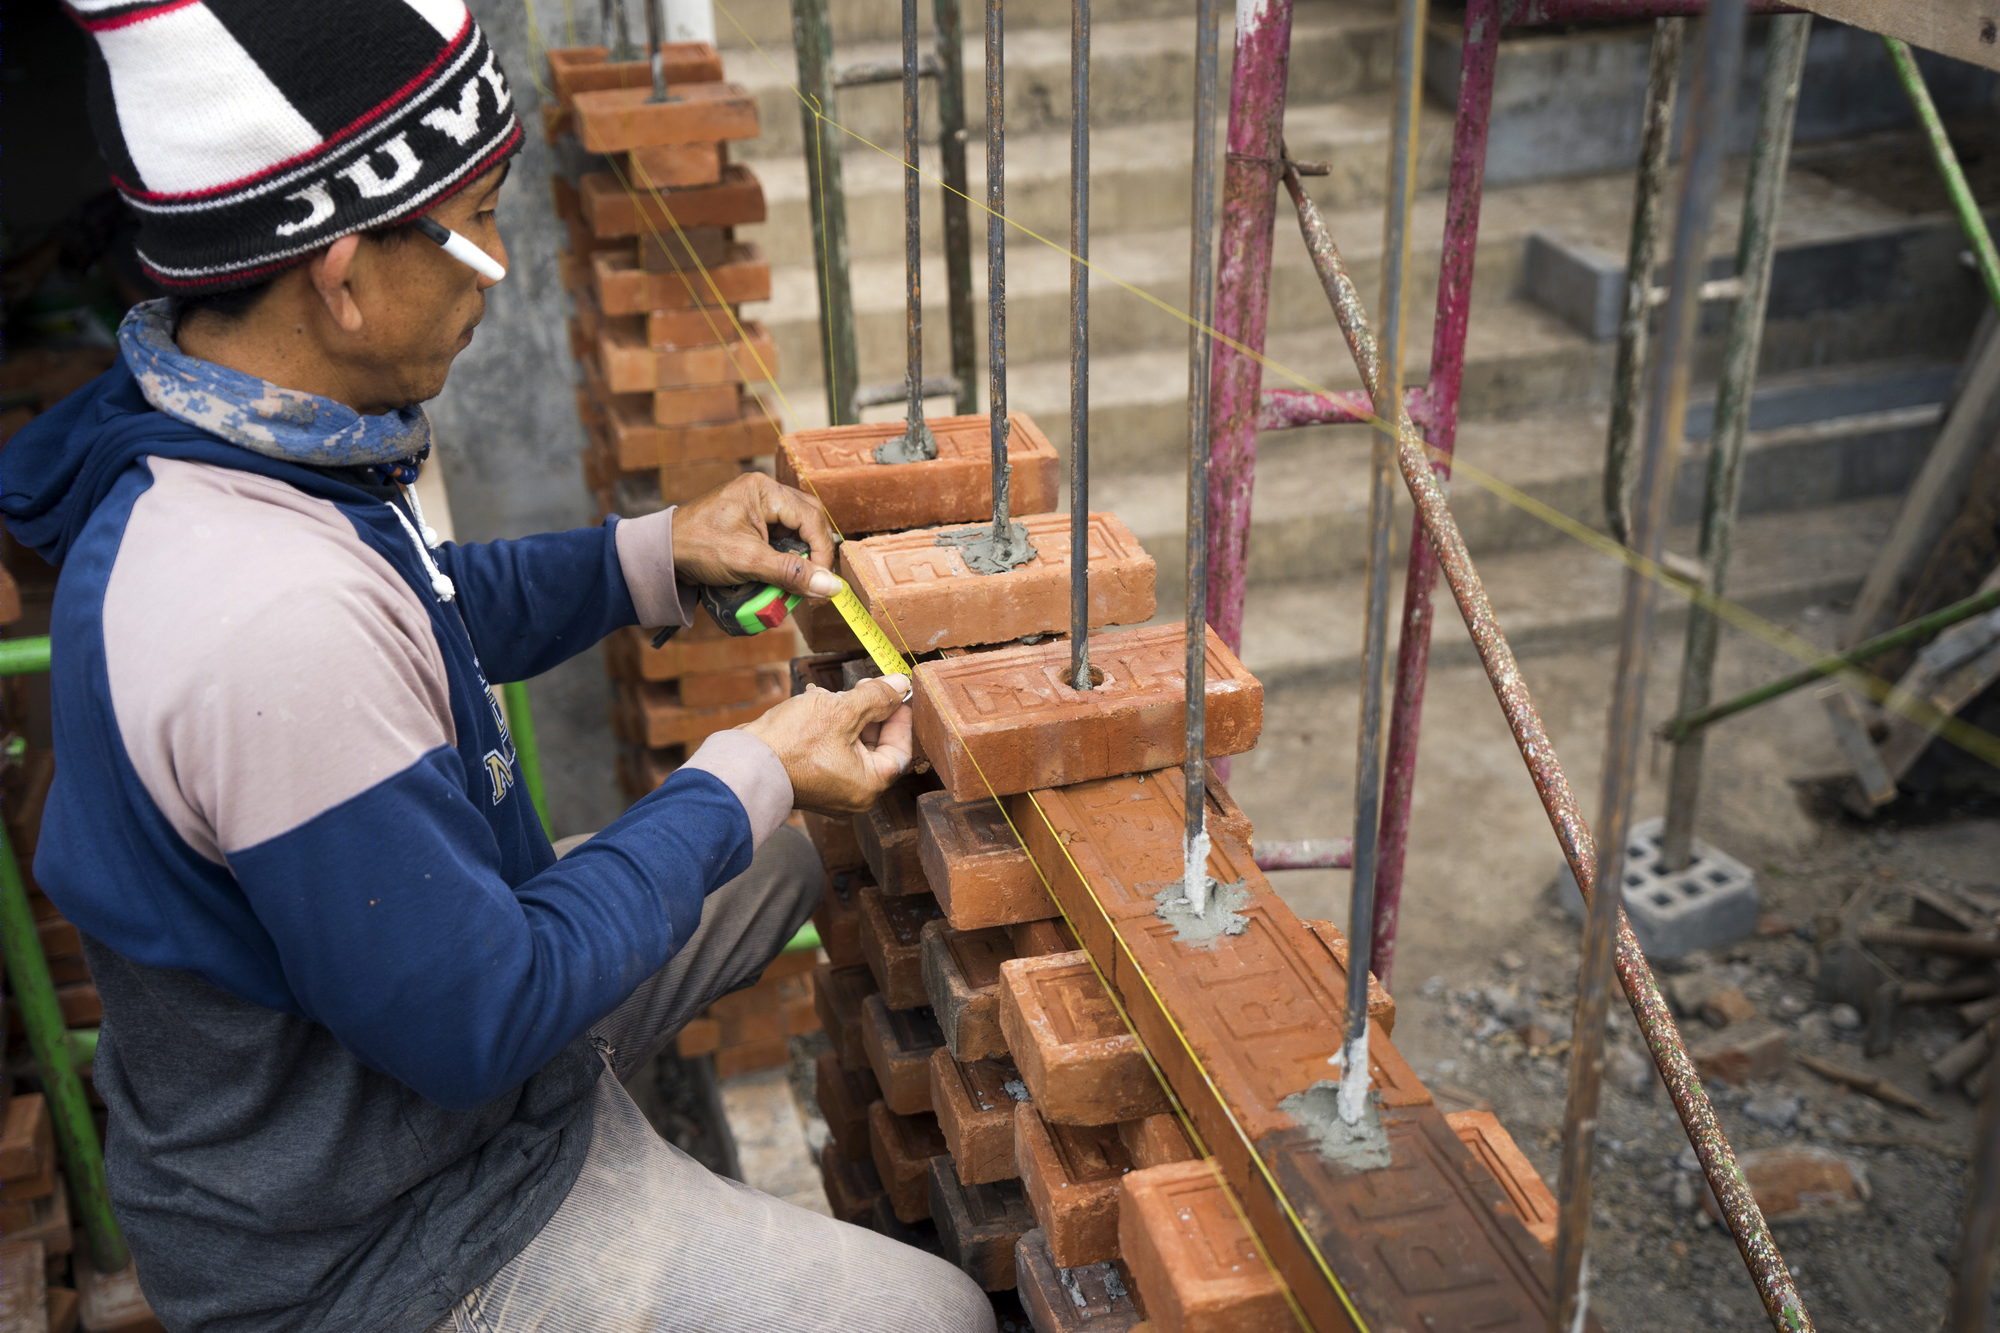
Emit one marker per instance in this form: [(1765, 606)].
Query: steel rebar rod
[(1201, 305), (1979, 1232), (69, 1108), (1659, 455), (1079, 344), (826, 198), (1674, 728), (1438, 411), (1756, 248), (1962, 203), (1669, 1051), (1628, 370), (656, 51), (957, 205), (917, 441), (996, 263), (1387, 393), (620, 46)]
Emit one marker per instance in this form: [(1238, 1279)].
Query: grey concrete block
[(1712, 902)]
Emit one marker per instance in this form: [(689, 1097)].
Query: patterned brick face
[(1072, 1174), (962, 978), (1195, 1264), (975, 865), (837, 465), (891, 933), (899, 1043), (976, 1113), (1074, 1052), (1005, 722), (615, 120)]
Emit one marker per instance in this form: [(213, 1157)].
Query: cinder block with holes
[(1711, 903)]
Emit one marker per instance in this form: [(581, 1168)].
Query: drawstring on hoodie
[(423, 536)]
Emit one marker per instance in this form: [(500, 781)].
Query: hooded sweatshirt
[(347, 986)]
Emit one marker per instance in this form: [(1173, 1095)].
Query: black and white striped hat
[(248, 134)]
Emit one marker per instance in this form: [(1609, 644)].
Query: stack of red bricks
[(35, 1237), (650, 202), (990, 918), (751, 1029)]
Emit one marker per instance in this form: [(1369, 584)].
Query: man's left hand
[(724, 538)]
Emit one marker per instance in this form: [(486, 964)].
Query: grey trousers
[(650, 1240)]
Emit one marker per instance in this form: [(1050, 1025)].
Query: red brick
[(902, 1146), (65, 1310), (632, 367), (619, 208), (824, 630), (1527, 1193), (1194, 1262), (1431, 1241), (111, 1302), (1032, 939), (844, 1095), (1079, 1061), (45, 1220), (1072, 1301), (701, 1036), (625, 287), (1381, 1005), (688, 250), (975, 865), (899, 1043), (1072, 1175), (796, 964), (641, 771), (887, 835), (976, 1114), (1003, 722), (962, 978), (696, 324), (28, 1138), (751, 1056), (852, 1183), (1797, 1183), (582, 69), (925, 595), (891, 938), (833, 839), (649, 714), (838, 993), (838, 465), (615, 120), (24, 1286), (674, 166), (978, 1225), (838, 918), (1155, 1140), (630, 655), (681, 482), (1741, 1054)]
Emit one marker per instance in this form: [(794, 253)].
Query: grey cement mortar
[(1362, 1146), (1171, 905), (983, 555), (509, 440), (909, 447)]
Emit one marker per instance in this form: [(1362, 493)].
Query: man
[(363, 1031)]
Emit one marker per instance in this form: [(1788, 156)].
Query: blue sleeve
[(416, 954), (531, 603)]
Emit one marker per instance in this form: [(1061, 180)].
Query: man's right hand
[(841, 751)]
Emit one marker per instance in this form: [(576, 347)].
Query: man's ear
[(331, 273)]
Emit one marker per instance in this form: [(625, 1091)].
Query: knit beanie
[(249, 134)]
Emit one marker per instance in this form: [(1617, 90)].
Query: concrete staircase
[(1872, 311)]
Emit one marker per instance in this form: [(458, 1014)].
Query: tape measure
[(865, 629)]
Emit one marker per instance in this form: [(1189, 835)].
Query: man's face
[(421, 305)]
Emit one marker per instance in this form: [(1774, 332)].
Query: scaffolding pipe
[(917, 439), (1303, 853), (1665, 416), (949, 37), (1962, 202), (1242, 300), (527, 748), (1756, 247), (1284, 409), (1655, 152), (1438, 408), (1201, 305), (1079, 345), (826, 198), (1670, 1056)]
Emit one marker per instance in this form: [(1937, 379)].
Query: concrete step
[(1142, 69), (1556, 598), (1816, 440), (1140, 178)]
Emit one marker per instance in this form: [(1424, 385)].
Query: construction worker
[(363, 1030)]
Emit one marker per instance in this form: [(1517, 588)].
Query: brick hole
[(1068, 677)]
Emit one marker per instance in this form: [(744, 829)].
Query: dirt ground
[(1485, 950)]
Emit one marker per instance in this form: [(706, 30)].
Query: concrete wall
[(508, 435)]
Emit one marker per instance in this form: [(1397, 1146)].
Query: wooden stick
[(1881, 1089), (1964, 1057)]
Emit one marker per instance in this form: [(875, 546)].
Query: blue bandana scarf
[(285, 424)]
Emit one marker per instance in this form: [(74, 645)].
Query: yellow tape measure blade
[(865, 629)]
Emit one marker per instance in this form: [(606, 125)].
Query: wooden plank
[(1852, 734), (1963, 29)]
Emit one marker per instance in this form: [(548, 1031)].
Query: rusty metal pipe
[(917, 439), (1079, 345), (996, 263), (1656, 1020), (1201, 305)]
